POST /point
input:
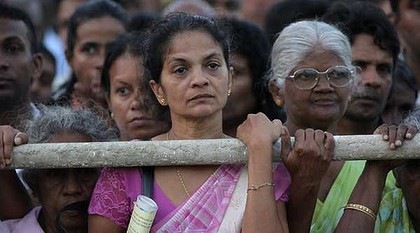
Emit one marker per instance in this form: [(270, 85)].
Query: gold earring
[(279, 102), (162, 101)]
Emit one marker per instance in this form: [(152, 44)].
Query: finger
[(309, 134), (401, 131), (392, 134), (286, 144), (384, 131), (411, 132), (20, 138), (319, 138), (7, 139), (299, 142), (329, 145)]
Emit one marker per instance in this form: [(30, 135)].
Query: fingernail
[(398, 143), (18, 141), (392, 146), (386, 137), (408, 135)]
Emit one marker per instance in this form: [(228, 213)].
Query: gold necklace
[(181, 180)]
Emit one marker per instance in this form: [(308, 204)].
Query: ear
[(157, 89), (36, 65), (276, 93)]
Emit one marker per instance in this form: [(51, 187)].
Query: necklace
[(181, 180)]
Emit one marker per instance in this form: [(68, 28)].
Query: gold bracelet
[(361, 208), (254, 187)]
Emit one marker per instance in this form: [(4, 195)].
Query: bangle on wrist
[(254, 187), (361, 208)]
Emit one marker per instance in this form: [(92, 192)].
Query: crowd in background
[(256, 70)]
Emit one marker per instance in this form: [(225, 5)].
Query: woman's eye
[(213, 66), (89, 49), (180, 70), (123, 91)]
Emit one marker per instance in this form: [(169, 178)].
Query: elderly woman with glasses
[(312, 77)]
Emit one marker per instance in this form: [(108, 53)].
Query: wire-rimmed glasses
[(337, 76)]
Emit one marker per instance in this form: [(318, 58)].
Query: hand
[(9, 137), (396, 135), (310, 157), (258, 130)]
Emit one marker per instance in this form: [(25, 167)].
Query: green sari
[(327, 214)]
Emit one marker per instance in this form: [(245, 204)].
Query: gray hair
[(299, 39), (56, 119)]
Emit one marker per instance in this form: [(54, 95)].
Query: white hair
[(299, 39)]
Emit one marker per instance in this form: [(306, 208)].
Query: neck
[(13, 116), (207, 128), (350, 127)]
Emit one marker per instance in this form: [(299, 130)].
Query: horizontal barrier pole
[(187, 152)]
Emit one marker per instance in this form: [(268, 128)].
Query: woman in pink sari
[(187, 63)]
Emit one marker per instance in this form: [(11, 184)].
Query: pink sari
[(204, 211)]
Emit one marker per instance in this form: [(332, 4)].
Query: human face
[(408, 178), (17, 64), (40, 89), (195, 78), (134, 109), (61, 187), (372, 89), (408, 23), (89, 51), (320, 107), (242, 101), (400, 103)]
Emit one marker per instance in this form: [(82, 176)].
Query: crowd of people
[(258, 71)]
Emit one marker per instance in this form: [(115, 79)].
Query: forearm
[(14, 199), (367, 192), (301, 205), (261, 212)]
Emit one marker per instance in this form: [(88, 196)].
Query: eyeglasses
[(337, 76)]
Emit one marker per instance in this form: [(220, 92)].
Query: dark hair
[(93, 10), (248, 40), (132, 43), (173, 24), (286, 12), (141, 21), (355, 18), (11, 13)]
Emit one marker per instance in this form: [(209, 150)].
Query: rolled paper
[(143, 215)]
